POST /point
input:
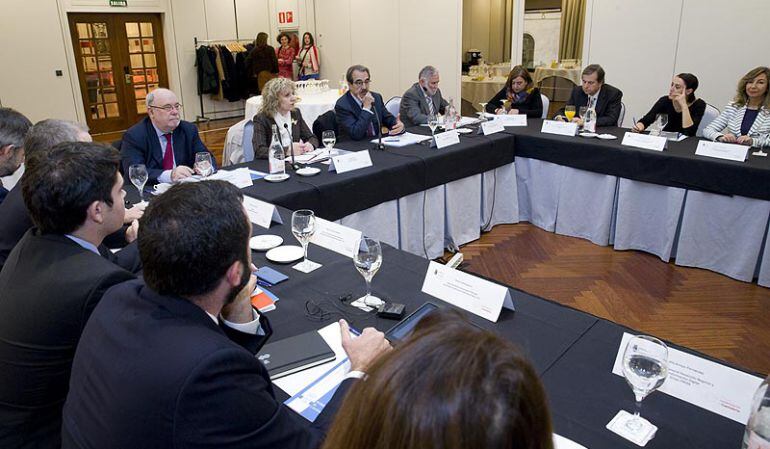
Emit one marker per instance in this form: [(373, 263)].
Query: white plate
[(276, 177), (308, 171), (464, 130), (607, 137), (587, 134), (265, 242), (285, 254)]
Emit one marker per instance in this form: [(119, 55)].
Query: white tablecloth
[(311, 105), (476, 92)]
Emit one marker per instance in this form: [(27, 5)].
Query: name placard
[(512, 120), (351, 161), (644, 141), (478, 296), (335, 237), (719, 150), (447, 138), (491, 127), (261, 213), (559, 128)]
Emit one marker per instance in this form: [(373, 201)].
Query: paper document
[(402, 140), (709, 385), (317, 155), (240, 177), (559, 442)]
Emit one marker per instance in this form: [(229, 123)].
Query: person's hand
[(362, 351), (728, 138), (240, 310), (639, 127), (181, 172), (368, 100), (513, 112), (745, 140), (578, 120), (561, 118), (134, 213), (398, 128), (680, 99), (499, 111), (132, 231)]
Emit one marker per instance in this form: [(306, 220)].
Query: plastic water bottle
[(275, 155), (589, 121), (757, 434), (450, 116)]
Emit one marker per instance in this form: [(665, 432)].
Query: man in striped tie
[(593, 93), (423, 98)]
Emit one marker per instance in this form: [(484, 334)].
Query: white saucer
[(587, 134), (278, 177), (464, 130), (308, 171), (265, 242), (607, 137), (285, 254)]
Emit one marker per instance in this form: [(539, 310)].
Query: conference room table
[(573, 352)]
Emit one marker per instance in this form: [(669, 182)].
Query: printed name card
[(491, 127), (335, 237), (261, 213), (445, 139), (478, 296), (644, 141), (512, 120), (559, 128), (706, 384), (719, 150), (350, 161)]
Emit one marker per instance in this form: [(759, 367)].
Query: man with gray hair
[(423, 98), (13, 128), (162, 141)]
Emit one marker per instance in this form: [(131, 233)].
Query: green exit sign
[(119, 3)]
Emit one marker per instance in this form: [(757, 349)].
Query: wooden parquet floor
[(706, 311)]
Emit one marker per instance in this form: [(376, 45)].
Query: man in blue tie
[(360, 111), (149, 141)]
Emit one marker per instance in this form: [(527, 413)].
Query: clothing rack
[(201, 42)]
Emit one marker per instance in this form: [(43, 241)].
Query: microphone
[(380, 146), (294, 164)]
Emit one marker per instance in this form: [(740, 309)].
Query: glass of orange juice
[(569, 112)]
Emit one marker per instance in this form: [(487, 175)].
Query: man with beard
[(360, 112), (423, 99), (171, 362)]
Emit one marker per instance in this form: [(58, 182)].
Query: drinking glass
[(582, 111), (329, 139), (645, 366), (303, 228), (482, 117), (203, 163), (663, 120), (569, 112), (138, 175), (432, 123), (368, 259)]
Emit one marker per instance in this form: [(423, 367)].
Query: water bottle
[(275, 155), (589, 121), (757, 434), (450, 116)]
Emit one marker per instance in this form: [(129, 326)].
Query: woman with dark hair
[(285, 54), (449, 385), (683, 109), (518, 96), (261, 64), (309, 64), (747, 119)]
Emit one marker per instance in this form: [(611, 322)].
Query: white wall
[(544, 28)]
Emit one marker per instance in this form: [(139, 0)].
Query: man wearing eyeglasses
[(163, 142), (361, 112)]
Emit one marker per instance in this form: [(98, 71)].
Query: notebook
[(294, 354)]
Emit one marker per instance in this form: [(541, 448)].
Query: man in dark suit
[(50, 284), (14, 217), (422, 99), (148, 141), (360, 112), (605, 99), (13, 128), (171, 363)]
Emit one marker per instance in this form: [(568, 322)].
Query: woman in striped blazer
[(747, 119)]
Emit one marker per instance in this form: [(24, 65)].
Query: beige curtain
[(573, 13)]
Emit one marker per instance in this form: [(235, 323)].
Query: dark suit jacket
[(15, 222), (155, 371), (263, 133), (414, 107), (48, 289), (141, 146), (354, 122), (607, 105)]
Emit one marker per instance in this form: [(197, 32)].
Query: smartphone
[(404, 327)]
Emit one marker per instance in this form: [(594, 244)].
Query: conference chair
[(622, 114), (708, 116), (394, 106), (546, 103), (238, 143), (325, 122), (558, 90)]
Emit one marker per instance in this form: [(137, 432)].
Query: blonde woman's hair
[(271, 92), (741, 99)]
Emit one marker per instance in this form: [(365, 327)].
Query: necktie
[(370, 131), (168, 156), (431, 108)]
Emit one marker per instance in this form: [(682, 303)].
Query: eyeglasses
[(362, 82), (168, 107)]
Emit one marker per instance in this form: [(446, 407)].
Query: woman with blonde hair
[(518, 96), (746, 120), (278, 100)]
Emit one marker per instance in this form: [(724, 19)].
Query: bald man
[(149, 141)]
